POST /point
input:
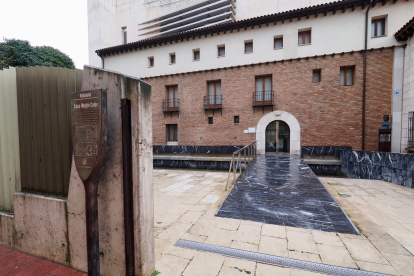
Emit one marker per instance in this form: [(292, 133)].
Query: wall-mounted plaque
[(87, 128)]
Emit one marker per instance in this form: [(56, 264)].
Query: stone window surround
[(278, 115)]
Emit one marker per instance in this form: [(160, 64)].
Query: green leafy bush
[(15, 52)]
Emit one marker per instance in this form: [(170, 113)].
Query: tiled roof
[(322, 9), (406, 31)]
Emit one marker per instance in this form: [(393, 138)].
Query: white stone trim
[(278, 115)]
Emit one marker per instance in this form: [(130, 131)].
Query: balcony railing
[(263, 98), (213, 102), (170, 105)]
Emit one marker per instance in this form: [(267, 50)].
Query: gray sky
[(56, 23)]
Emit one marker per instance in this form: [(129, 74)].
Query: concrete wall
[(337, 33), (39, 227), (408, 92)]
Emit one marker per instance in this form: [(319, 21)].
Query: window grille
[(411, 129)]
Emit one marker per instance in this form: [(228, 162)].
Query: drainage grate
[(344, 195), (274, 260)]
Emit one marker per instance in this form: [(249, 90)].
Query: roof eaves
[(244, 23), (406, 31)]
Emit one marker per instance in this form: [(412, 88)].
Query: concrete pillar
[(110, 189), (397, 96)]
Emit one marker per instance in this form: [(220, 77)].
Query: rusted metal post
[(128, 187), (92, 227)]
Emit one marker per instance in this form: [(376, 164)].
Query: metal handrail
[(251, 154)]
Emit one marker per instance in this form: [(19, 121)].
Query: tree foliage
[(15, 52)]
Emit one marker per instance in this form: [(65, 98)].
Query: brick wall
[(329, 114)]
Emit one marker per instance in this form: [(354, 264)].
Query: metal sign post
[(89, 135)]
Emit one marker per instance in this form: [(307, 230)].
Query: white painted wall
[(338, 33), (106, 18), (408, 94)]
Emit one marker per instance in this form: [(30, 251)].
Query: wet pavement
[(281, 189)]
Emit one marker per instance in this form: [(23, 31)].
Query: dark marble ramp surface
[(281, 189)]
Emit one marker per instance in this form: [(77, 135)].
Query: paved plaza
[(186, 202)]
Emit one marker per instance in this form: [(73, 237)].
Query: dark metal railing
[(263, 98), (213, 102), (170, 105), (249, 153), (411, 130)]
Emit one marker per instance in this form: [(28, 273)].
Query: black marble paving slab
[(283, 190)]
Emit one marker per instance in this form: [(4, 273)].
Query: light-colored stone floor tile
[(190, 237), (276, 231), (247, 266), (403, 236), (231, 271), (206, 182), (191, 217), (270, 270), (315, 258), (161, 247), (244, 246), (336, 255), (410, 248), (248, 222), (192, 200), (171, 265), (273, 246), (204, 264), (166, 220), (221, 237), (229, 224), (349, 236), (298, 272), (203, 227), (301, 241), (403, 264), (297, 229), (387, 244), (175, 231), (180, 252), (248, 233), (210, 198), (380, 268), (326, 238), (364, 251)]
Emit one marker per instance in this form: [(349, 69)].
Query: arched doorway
[(277, 137), (278, 115)]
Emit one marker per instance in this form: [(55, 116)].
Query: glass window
[(248, 47), (347, 76), (196, 55), (304, 37), (151, 62), (221, 51), (210, 120), (214, 93), (172, 133), (278, 43), (316, 75), (263, 88), (236, 119), (173, 96), (378, 27), (172, 58), (124, 33)]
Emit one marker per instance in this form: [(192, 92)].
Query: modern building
[(286, 74)]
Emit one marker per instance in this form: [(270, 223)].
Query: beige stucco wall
[(408, 90)]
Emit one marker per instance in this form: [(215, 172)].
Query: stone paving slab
[(283, 190), (378, 248)]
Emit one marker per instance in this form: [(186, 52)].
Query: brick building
[(286, 80)]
